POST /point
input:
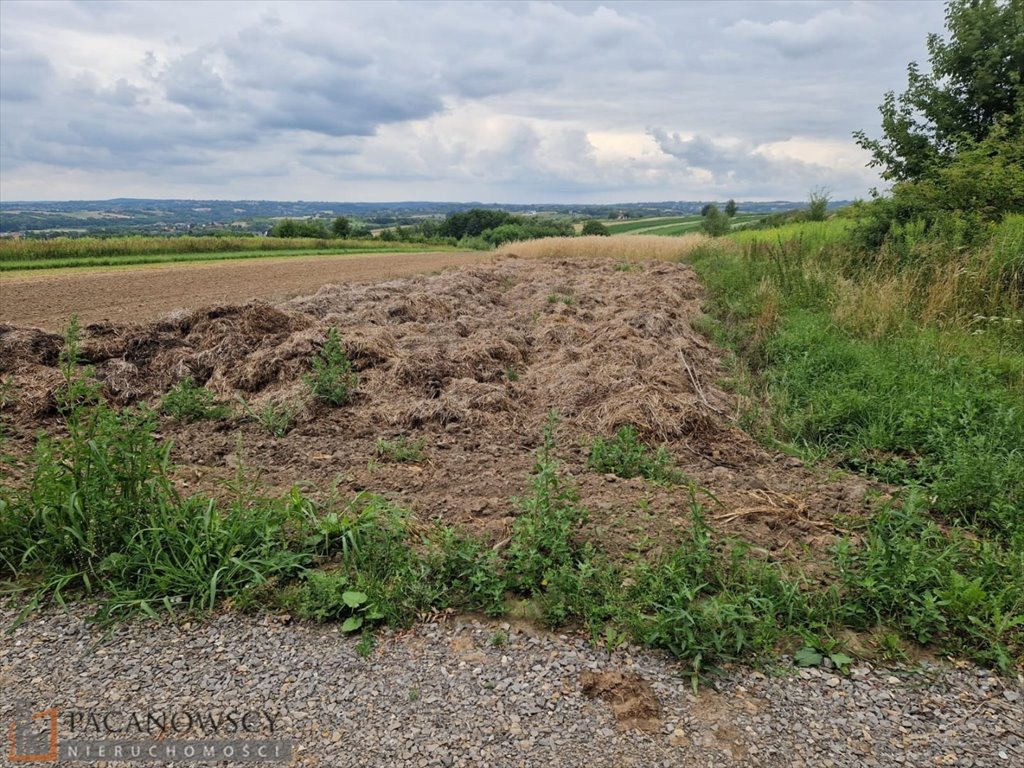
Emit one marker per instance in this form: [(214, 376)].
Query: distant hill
[(140, 216)]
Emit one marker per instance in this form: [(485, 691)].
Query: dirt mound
[(632, 699), (603, 347), (472, 360)]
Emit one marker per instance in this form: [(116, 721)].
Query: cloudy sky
[(496, 102)]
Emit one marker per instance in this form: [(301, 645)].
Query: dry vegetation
[(627, 250)]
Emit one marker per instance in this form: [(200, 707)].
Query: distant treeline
[(477, 227)]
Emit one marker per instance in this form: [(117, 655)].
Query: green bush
[(959, 204), (341, 227), (389, 573), (528, 229), (277, 417), (371, 541), (470, 571), (707, 607), (300, 228), (715, 223), (327, 596), (595, 227), (817, 207), (332, 380), (473, 223), (542, 533)]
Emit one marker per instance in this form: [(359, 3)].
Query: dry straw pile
[(495, 345)]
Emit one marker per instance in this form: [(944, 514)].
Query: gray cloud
[(24, 75), (740, 169), (451, 100), (191, 81)]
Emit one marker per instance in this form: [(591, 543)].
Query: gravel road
[(462, 692)]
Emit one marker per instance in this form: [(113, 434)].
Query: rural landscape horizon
[(704, 448)]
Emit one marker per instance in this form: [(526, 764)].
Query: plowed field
[(143, 293)]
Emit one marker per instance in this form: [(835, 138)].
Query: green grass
[(737, 222), (881, 363), (64, 262), (812, 235), (672, 225), (626, 456), (101, 517), (30, 249), (962, 593), (402, 450), (673, 229), (906, 411), (935, 405), (187, 401)]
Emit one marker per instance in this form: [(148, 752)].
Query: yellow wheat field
[(624, 248)]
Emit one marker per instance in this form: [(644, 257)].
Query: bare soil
[(130, 294), (631, 698), (472, 360)]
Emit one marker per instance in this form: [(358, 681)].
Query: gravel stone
[(442, 694)]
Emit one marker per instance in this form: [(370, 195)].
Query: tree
[(817, 206), (715, 222), (707, 207), (286, 228), (302, 228), (473, 222), (976, 83), (595, 227), (341, 227), (731, 208)]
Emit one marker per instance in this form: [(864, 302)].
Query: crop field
[(689, 443), (633, 225), (674, 230), (47, 298), (671, 226), (18, 255)]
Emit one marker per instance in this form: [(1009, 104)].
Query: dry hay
[(493, 344), (21, 347)]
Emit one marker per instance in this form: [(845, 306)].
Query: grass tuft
[(626, 456), (187, 401), (403, 450)]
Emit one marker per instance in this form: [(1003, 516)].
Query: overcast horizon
[(501, 102)]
